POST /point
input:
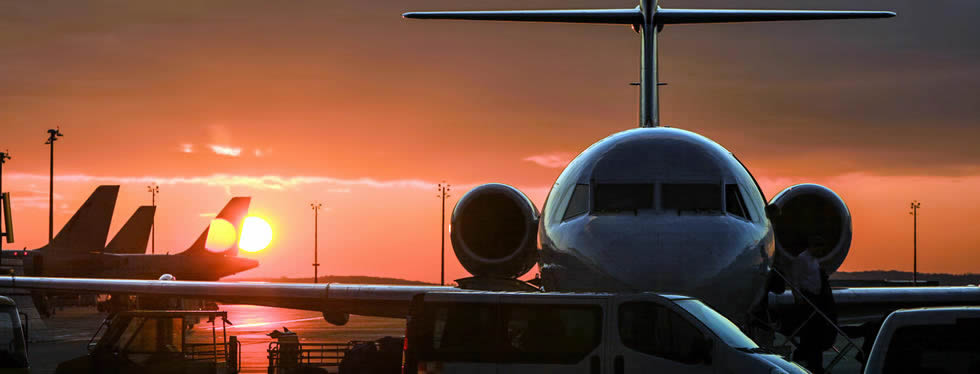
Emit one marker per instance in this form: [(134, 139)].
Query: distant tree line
[(943, 279)]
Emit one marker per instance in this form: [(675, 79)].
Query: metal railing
[(307, 354), (791, 338), (228, 353)]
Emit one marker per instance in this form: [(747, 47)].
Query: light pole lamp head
[(53, 135)]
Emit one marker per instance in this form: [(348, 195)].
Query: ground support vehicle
[(927, 340), (157, 341), (492, 332), (13, 340)]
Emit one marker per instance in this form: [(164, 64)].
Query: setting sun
[(256, 234)]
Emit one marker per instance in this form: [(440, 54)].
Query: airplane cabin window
[(620, 197), (734, 204), (696, 197), (653, 329), (579, 203)]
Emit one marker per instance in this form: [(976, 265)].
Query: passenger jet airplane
[(648, 209)]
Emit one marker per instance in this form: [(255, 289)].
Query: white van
[(476, 332), (928, 340)]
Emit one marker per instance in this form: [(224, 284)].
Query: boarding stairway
[(792, 340)]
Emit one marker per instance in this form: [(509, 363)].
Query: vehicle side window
[(157, 335), (653, 329), (946, 348), (459, 331), (536, 333), (579, 203)]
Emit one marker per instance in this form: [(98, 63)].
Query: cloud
[(32, 199), (264, 182), (208, 214), (226, 150), (554, 160), (187, 148)]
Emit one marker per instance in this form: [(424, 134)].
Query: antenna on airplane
[(648, 19)]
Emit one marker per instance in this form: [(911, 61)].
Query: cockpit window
[(734, 204), (613, 197), (579, 203), (696, 197)]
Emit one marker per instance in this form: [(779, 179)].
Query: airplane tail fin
[(133, 236), (88, 229), (234, 212)]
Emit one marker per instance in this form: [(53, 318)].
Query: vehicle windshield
[(725, 329), (12, 351)]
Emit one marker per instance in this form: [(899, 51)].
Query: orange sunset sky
[(347, 103)]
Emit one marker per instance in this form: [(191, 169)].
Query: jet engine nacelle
[(804, 211), (494, 231)]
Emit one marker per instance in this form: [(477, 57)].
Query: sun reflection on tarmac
[(252, 323)]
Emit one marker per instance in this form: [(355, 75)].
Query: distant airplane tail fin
[(234, 212), (88, 229), (133, 236)]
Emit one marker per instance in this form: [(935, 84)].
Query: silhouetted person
[(812, 282)]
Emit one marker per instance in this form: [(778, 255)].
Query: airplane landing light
[(221, 236)]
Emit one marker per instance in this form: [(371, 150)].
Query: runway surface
[(70, 330)]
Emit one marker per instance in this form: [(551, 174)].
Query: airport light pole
[(443, 194), (4, 156), (154, 190), (53, 135), (316, 239), (915, 241)]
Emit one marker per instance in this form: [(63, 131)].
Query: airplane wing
[(864, 304), (855, 305), (367, 300)]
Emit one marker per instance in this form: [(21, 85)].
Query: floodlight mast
[(648, 19)]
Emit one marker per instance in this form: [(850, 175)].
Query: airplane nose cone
[(708, 257), (660, 256)]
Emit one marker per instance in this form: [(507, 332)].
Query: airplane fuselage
[(199, 266), (658, 209)]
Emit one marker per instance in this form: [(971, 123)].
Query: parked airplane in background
[(80, 249), (648, 209), (134, 234)]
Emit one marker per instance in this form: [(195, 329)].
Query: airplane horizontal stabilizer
[(679, 16), (133, 236), (634, 16), (610, 16)]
